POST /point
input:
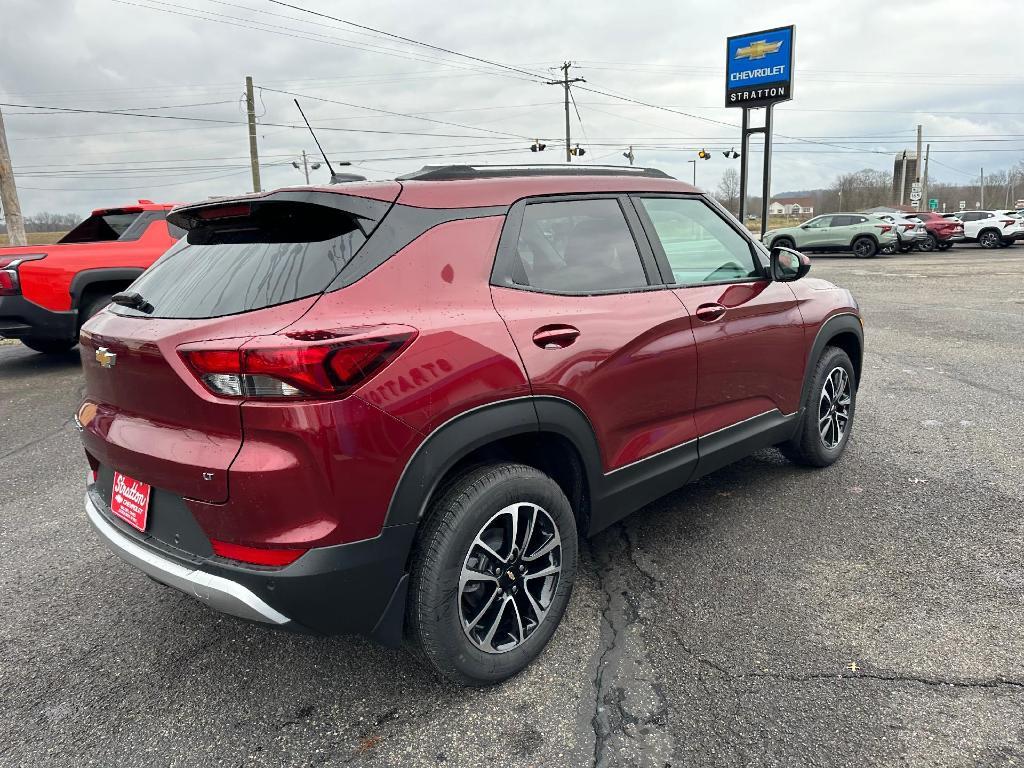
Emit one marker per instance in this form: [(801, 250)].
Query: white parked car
[(992, 229)]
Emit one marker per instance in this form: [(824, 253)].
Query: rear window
[(276, 253), (101, 227)]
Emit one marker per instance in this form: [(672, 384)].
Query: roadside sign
[(933, 204), (915, 192), (759, 68), (963, 205)]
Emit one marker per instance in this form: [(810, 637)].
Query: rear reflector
[(308, 365), (256, 555)]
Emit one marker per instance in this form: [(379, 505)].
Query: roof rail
[(455, 172)]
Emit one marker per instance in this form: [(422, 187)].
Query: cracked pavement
[(868, 614)]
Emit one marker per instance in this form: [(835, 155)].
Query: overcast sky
[(866, 74)]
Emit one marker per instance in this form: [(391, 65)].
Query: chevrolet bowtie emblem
[(758, 49), (106, 358)]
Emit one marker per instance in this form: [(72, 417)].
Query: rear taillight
[(256, 555), (884, 227), (1008, 222), (908, 227), (304, 365), (10, 283)]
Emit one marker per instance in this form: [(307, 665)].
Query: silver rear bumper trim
[(217, 592)]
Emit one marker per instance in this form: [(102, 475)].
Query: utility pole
[(9, 193), (917, 167), (694, 162), (565, 82), (903, 181), (305, 166), (250, 105), (982, 201), (629, 155), (924, 185)]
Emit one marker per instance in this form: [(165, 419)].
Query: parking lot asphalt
[(866, 614)]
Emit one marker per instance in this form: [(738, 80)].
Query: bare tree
[(728, 191)]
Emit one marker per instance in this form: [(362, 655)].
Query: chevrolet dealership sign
[(759, 68)]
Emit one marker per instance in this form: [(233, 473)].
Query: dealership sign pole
[(758, 74)]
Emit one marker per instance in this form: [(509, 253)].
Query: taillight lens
[(884, 227), (1008, 222), (317, 364), (10, 283), (256, 555)]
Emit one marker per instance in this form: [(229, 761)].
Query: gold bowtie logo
[(106, 358), (758, 49)]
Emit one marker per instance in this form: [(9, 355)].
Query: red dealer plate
[(130, 500)]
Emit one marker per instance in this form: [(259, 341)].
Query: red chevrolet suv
[(391, 408), (48, 291)]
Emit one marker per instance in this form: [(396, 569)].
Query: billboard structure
[(758, 75)]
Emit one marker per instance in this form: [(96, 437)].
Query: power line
[(74, 110), (394, 114)]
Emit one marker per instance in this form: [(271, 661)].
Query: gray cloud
[(895, 66)]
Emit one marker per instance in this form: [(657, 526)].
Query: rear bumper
[(21, 318), (356, 588), (219, 593)]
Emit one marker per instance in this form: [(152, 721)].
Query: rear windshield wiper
[(132, 300)]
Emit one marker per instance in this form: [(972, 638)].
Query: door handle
[(709, 313), (555, 336)]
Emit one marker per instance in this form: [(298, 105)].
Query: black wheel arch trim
[(82, 280), (846, 322)]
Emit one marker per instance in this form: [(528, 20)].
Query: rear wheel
[(91, 305), (50, 346), (929, 243), (492, 573), (989, 239), (864, 248), (828, 412)]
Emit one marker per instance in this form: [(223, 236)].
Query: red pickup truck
[(47, 292)]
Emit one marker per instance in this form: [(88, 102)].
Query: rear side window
[(698, 243), (577, 246), (278, 252), (101, 227)]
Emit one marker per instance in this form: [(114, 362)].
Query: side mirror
[(788, 265)]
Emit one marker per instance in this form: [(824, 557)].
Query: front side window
[(819, 223), (577, 246), (699, 244)]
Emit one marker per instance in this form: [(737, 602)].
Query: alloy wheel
[(863, 248), (834, 407), (509, 577), (989, 240)]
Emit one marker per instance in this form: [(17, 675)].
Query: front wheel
[(50, 346), (864, 248), (492, 573), (783, 242), (929, 243), (828, 412)]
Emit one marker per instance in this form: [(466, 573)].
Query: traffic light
[(704, 155), (732, 154), (537, 146), (577, 151)]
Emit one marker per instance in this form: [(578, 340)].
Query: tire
[(480, 505), (91, 306), (783, 242), (944, 246), (930, 243), (50, 346), (906, 248), (989, 238), (1005, 243), (809, 446), (864, 247)]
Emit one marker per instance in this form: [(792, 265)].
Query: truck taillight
[(317, 364), (10, 282)]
